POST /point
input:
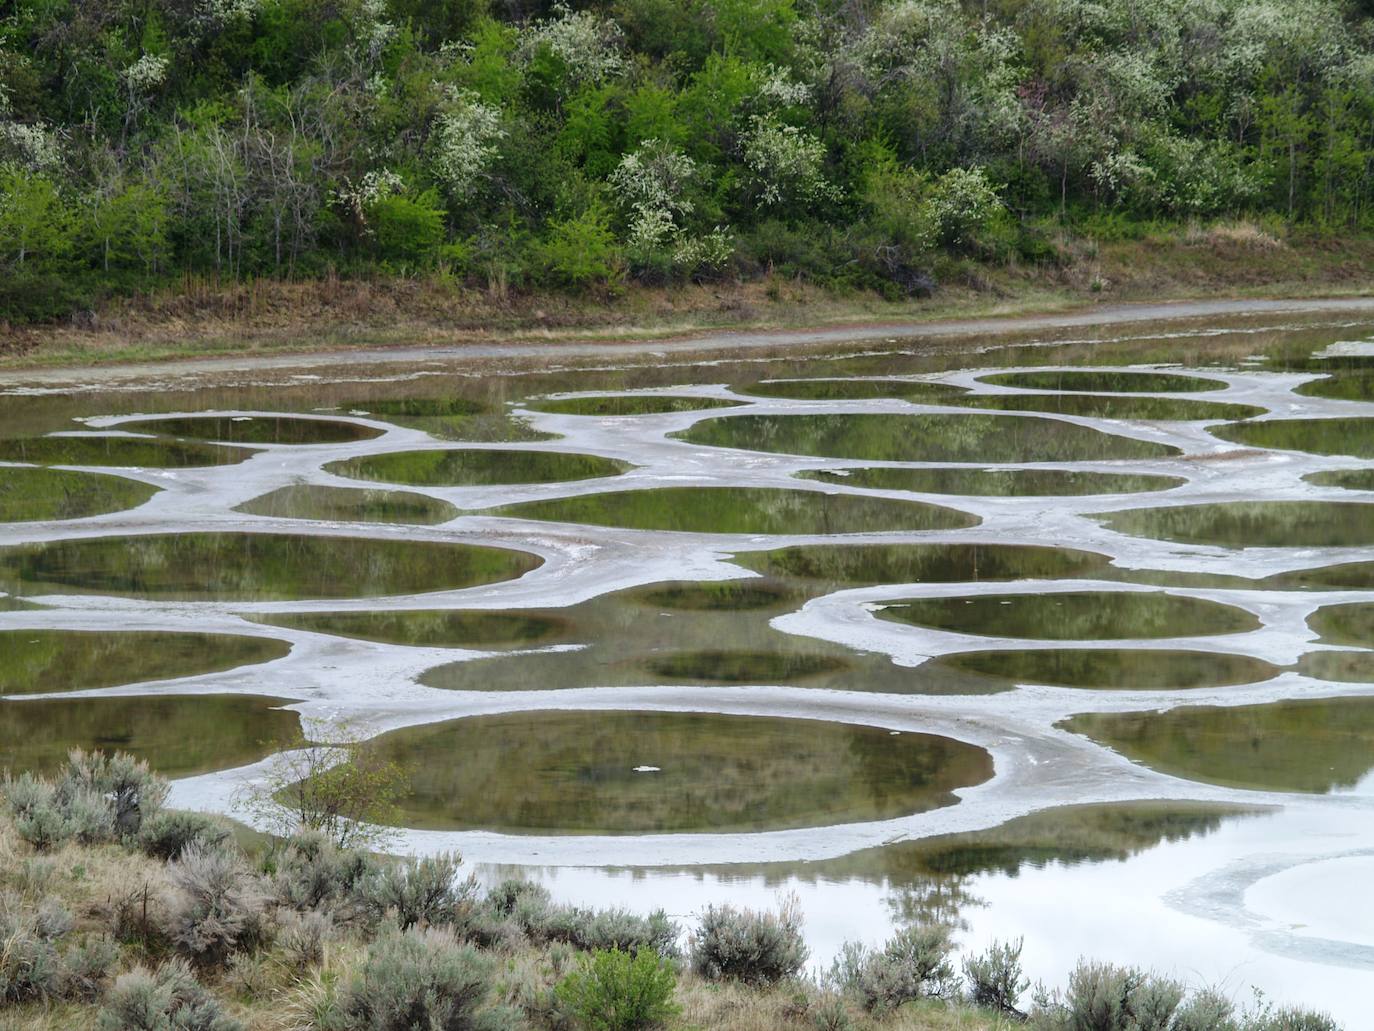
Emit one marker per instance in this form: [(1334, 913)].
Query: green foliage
[(858, 146), (914, 964), (620, 991)]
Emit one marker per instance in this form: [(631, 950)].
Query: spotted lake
[(1063, 632)]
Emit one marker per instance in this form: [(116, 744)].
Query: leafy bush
[(407, 230), (995, 977), (169, 1000), (620, 991), (168, 834), (218, 908), (914, 964), (756, 948), (580, 252)]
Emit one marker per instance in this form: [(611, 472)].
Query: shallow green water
[(179, 735), (1345, 386), (856, 564), (1354, 437), (748, 510), (1074, 615), (1112, 406), (253, 567), (1349, 479), (997, 482), (1342, 576), (1342, 667), (1345, 624), (1114, 669), (255, 429), (1103, 381), (42, 661), (1311, 745), (628, 404), (758, 667), (723, 595), (349, 505), (415, 407), (448, 418), (475, 467), (1253, 524), (429, 629), (32, 494), (974, 437), (852, 389), (569, 772), (124, 452)]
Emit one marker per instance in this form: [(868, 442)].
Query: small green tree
[(407, 230), (339, 784), (621, 991), (580, 252)]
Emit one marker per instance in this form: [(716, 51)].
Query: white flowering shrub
[(778, 87), (962, 202), (357, 197), (588, 45), (785, 162), (146, 74), (33, 148), (464, 142), (373, 28), (225, 12)]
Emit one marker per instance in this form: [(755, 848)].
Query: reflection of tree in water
[(934, 900)]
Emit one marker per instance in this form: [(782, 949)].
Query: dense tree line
[(514, 143)]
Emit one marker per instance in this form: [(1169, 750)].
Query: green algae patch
[(1114, 406), (629, 404), (1114, 669), (253, 566), (43, 661), (860, 564), (852, 389), (742, 510), (1017, 483), (120, 452), (1104, 381), (476, 467), (1310, 745), (1354, 437), (970, 438), (428, 629), (350, 505), (1252, 524), (1074, 615), (255, 429), (178, 735), (29, 494), (657, 772)]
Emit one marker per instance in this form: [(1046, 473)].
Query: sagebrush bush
[(170, 999), (619, 991), (610, 929), (30, 967), (302, 937), (169, 833), (914, 964), (995, 978), (412, 979), (756, 948), (313, 873), (424, 892), (218, 906), (96, 798)]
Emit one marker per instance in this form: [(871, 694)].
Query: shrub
[(609, 929), (424, 892), (168, 834), (30, 967), (580, 252), (756, 948), (313, 873), (1106, 997), (302, 938), (218, 907), (914, 964), (169, 1000), (995, 977), (132, 792), (620, 991), (1288, 1018), (409, 979), (86, 968)]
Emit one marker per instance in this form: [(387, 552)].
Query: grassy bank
[(202, 318), (117, 914)]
